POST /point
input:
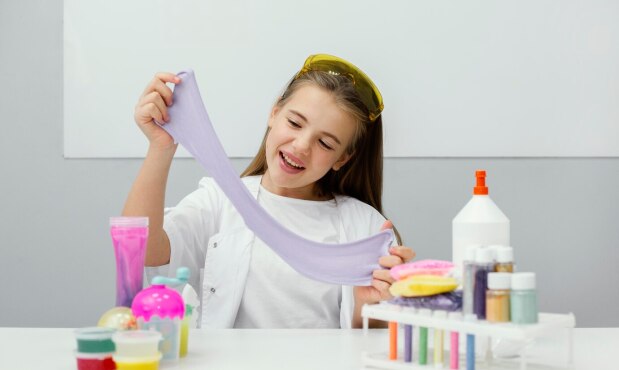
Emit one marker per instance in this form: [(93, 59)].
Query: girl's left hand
[(381, 279)]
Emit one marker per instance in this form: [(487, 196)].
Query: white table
[(50, 349)]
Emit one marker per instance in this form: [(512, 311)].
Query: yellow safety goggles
[(368, 92)]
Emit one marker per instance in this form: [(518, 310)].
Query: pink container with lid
[(162, 309)]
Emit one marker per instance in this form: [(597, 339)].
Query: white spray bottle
[(480, 222)]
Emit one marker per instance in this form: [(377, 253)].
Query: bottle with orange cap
[(480, 222)]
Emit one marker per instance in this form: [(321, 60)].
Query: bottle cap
[(469, 254), (484, 255), (523, 281), (504, 254), (499, 280), (481, 188)]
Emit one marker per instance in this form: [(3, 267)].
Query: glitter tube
[(408, 343)]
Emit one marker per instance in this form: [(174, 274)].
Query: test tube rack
[(548, 324)]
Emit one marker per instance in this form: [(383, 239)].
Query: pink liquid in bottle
[(129, 235)]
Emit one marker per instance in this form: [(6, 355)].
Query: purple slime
[(345, 264)]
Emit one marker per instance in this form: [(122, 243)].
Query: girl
[(318, 172)]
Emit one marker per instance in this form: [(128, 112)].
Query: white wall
[(459, 78)]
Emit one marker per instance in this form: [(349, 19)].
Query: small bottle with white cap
[(504, 258), (497, 297), (523, 300)]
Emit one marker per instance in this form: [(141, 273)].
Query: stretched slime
[(345, 264)]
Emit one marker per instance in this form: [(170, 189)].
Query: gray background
[(57, 264)]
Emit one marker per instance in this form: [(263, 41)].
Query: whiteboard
[(480, 78)]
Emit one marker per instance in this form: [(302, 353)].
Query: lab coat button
[(212, 290)]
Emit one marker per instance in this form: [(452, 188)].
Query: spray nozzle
[(480, 188)]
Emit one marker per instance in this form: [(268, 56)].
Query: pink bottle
[(162, 309), (129, 235)]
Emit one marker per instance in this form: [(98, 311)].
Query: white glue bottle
[(480, 222)]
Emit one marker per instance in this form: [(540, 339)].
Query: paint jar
[(523, 298), (137, 343), (94, 348), (504, 258), (497, 297), (95, 361), (161, 309), (94, 340), (484, 263), (468, 280), (129, 235), (480, 222), (137, 363)]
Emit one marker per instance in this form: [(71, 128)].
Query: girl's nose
[(302, 144)]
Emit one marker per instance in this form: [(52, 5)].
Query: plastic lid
[(136, 360), (160, 301), (469, 254), (523, 281), (129, 221), (504, 253), (481, 188), (94, 333), (499, 280), (484, 255)]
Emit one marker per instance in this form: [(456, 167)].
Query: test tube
[(408, 343), (470, 345), (423, 339), (393, 340), (438, 340), (454, 348)]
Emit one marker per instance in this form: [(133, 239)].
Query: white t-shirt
[(275, 295), (208, 235)]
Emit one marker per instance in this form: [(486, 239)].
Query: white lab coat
[(209, 236)]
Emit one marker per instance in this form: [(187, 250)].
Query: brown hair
[(362, 176)]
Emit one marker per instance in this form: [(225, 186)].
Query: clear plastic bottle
[(468, 280), (480, 222), (523, 300), (484, 264), (497, 297)]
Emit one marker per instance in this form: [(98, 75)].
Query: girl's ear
[(274, 112), (342, 161)]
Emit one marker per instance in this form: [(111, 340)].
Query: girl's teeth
[(290, 162)]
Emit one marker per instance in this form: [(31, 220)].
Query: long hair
[(362, 176)]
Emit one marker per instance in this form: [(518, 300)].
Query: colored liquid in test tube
[(454, 347), (438, 340), (129, 235)]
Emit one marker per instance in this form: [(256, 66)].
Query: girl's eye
[(325, 145), (293, 123)]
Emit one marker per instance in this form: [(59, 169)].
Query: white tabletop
[(50, 349)]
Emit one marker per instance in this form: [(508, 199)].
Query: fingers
[(158, 84), (386, 225), (405, 253), (383, 275), (157, 100), (390, 261), (383, 288)]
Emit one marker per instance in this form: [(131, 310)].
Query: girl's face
[(308, 137)]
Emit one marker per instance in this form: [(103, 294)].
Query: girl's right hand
[(153, 105)]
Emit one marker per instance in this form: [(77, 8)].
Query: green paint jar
[(95, 340), (523, 300)]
